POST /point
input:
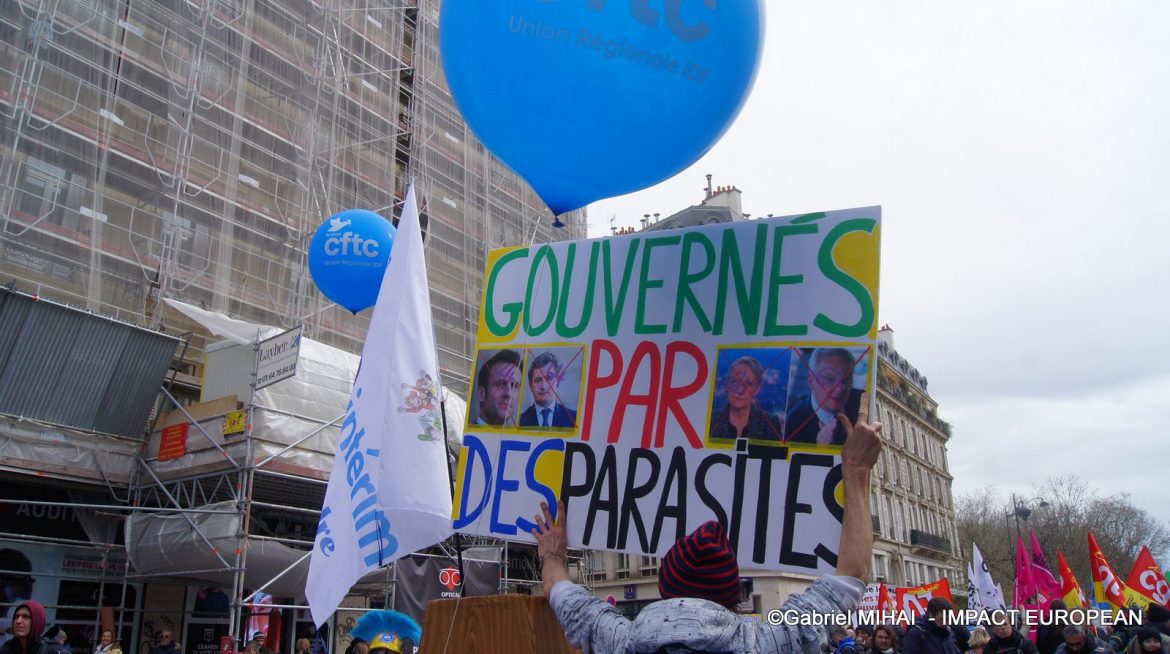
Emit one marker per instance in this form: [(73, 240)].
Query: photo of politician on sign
[(826, 381), (751, 386), (497, 389), (553, 379)]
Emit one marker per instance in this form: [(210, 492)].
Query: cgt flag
[(1147, 579), (388, 492), (1108, 589), (1070, 590), (912, 601)]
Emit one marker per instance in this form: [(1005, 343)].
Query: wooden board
[(496, 624)]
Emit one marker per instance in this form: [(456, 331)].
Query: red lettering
[(596, 381), (627, 398), (671, 394)]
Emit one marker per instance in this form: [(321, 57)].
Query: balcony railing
[(930, 541)]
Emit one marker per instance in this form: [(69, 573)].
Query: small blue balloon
[(588, 99), (348, 257)]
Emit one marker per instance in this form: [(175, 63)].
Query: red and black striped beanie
[(701, 564)]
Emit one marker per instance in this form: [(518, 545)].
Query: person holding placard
[(699, 576)]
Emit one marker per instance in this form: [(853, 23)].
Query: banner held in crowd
[(1147, 579), (658, 380), (388, 492), (1070, 589), (912, 601)]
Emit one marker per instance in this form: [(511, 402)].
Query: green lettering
[(771, 326), (613, 306), (829, 268), (747, 300), (645, 284), (545, 252), (511, 309), (563, 328), (685, 295)]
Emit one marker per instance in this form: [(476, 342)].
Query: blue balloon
[(348, 257), (588, 99)]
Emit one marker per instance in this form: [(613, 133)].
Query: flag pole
[(451, 479)]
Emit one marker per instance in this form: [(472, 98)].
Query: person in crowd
[(830, 382), (105, 642), (1147, 640), (930, 633), (977, 643), (1079, 640), (547, 410), (699, 581), (166, 644), (258, 640), (742, 418), (840, 641), (388, 631), (1050, 636), (63, 642), (863, 636), (885, 640), (1006, 639), (303, 646), (498, 389), (1158, 617), (28, 627), (961, 635)]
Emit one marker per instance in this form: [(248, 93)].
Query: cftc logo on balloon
[(348, 257), (587, 99)]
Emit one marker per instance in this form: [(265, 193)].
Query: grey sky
[(1021, 153)]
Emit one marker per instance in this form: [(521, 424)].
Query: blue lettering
[(547, 493), (503, 485), (476, 451)]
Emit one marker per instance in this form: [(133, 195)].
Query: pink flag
[(1046, 586), (1025, 587)]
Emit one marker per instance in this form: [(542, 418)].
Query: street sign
[(276, 358)]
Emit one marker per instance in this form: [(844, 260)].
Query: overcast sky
[(1021, 154)]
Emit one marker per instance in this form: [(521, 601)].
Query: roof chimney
[(709, 185)]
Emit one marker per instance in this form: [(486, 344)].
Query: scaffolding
[(161, 150)]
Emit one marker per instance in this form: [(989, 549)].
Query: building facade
[(915, 538), (187, 150)]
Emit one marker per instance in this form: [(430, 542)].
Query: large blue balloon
[(348, 257), (587, 99)]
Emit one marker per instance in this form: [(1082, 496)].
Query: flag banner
[(1147, 579), (388, 492), (1108, 589), (1024, 594), (974, 599), (990, 597), (658, 380), (418, 579), (1047, 588), (1070, 590), (912, 601)]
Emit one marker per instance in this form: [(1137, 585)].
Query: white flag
[(974, 597), (990, 596), (388, 493)]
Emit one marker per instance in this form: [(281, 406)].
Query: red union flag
[(1107, 587), (1147, 578), (1070, 590), (912, 601)]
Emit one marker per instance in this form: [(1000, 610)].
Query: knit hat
[(1157, 613), (1146, 633), (701, 564)]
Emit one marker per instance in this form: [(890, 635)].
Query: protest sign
[(661, 379), (913, 601)]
